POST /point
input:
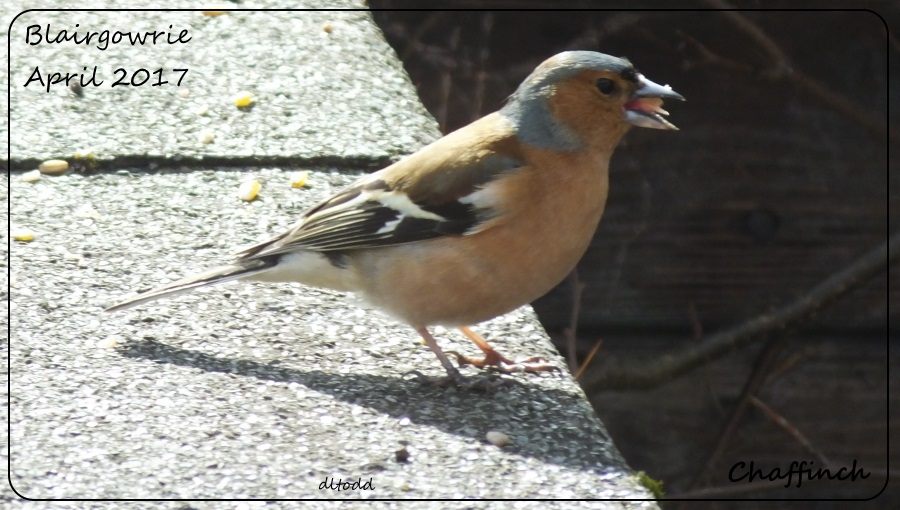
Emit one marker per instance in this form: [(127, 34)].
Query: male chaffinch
[(476, 224)]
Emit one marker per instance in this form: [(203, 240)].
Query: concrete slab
[(250, 390)]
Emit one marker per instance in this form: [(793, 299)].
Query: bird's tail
[(222, 274)]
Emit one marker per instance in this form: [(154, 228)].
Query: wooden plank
[(730, 236), (832, 388)]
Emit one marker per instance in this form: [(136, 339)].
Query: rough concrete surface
[(330, 95), (247, 390)]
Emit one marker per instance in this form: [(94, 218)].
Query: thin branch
[(793, 431), (779, 68), (842, 105), (763, 363), (414, 40), (571, 332), (789, 363), (587, 360), (710, 58), (447, 83), (487, 23), (766, 43), (696, 325), (652, 373)]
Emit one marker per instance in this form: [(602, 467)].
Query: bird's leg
[(494, 358), (491, 357), (452, 371), (489, 385)]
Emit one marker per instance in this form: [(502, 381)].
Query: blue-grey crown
[(527, 108)]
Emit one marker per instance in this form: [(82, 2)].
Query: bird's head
[(584, 98)]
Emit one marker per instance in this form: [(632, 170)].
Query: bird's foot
[(503, 364), (486, 384)]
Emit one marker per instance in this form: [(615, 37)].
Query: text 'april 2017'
[(124, 77)]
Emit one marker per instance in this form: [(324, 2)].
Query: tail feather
[(218, 275)]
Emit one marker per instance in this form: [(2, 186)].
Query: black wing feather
[(348, 220)]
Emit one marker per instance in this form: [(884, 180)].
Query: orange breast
[(549, 219)]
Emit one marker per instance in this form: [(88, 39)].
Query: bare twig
[(793, 431), (587, 360), (447, 83), (763, 362), (571, 332), (847, 108), (696, 325), (779, 60), (710, 58), (789, 363), (651, 373), (778, 67), (413, 41), (487, 23)]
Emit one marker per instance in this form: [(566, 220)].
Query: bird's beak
[(643, 108)]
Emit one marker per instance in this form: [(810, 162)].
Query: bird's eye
[(606, 86)]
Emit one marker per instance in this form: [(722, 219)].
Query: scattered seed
[(327, 28), (53, 166), (243, 99), (22, 233), (32, 176), (248, 190), (206, 136), (298, 179), (107, 343), (497, 438)]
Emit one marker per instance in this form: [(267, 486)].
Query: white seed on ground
[(107, 343), (249, 190), (243, 99), (32, 176), (53, 166), (206, 136), (298, 179), (497, 438), (22, 233)]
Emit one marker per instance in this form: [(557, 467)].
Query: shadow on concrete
[(457, 411)]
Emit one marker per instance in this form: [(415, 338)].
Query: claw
[(493, 358), (485, 384), (533, 364)]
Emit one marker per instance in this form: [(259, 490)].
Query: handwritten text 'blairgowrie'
[(34, 36), (101, 40)]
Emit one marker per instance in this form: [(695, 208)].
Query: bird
[(476, 224)]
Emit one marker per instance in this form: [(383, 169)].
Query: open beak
[(644, 106)]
